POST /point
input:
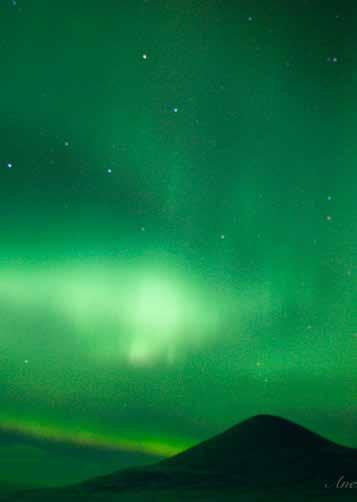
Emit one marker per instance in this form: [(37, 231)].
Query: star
[(328, 217), (26, 361), (329, 197), (9, 165), (175, 110), (145, 56), (66, 143), (222, 236), (250, 18), (109, 171)]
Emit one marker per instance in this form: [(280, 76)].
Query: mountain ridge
[(263, 431), (264, 454), (263, 449)]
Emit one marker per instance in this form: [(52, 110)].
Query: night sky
[(178, 234)]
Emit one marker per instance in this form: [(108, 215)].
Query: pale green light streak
[(82, 436), (142, 314)]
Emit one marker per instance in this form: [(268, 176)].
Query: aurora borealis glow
[(178, 222)]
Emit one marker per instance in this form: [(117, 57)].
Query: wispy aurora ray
[(139, 315)]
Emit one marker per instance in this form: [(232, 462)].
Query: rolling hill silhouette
[(262, 454)]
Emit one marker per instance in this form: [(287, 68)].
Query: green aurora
[(178, 222)]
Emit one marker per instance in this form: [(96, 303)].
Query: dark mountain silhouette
[(263, 450), (263, 437), (264, 454)]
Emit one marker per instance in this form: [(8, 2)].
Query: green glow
[(158, 307), (148, 314), (165, 274), (82, 437)]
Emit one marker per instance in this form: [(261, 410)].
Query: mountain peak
[(266, 437), (264, 449), (263, 430)]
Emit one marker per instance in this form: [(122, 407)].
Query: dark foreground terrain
[(265, 458)]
